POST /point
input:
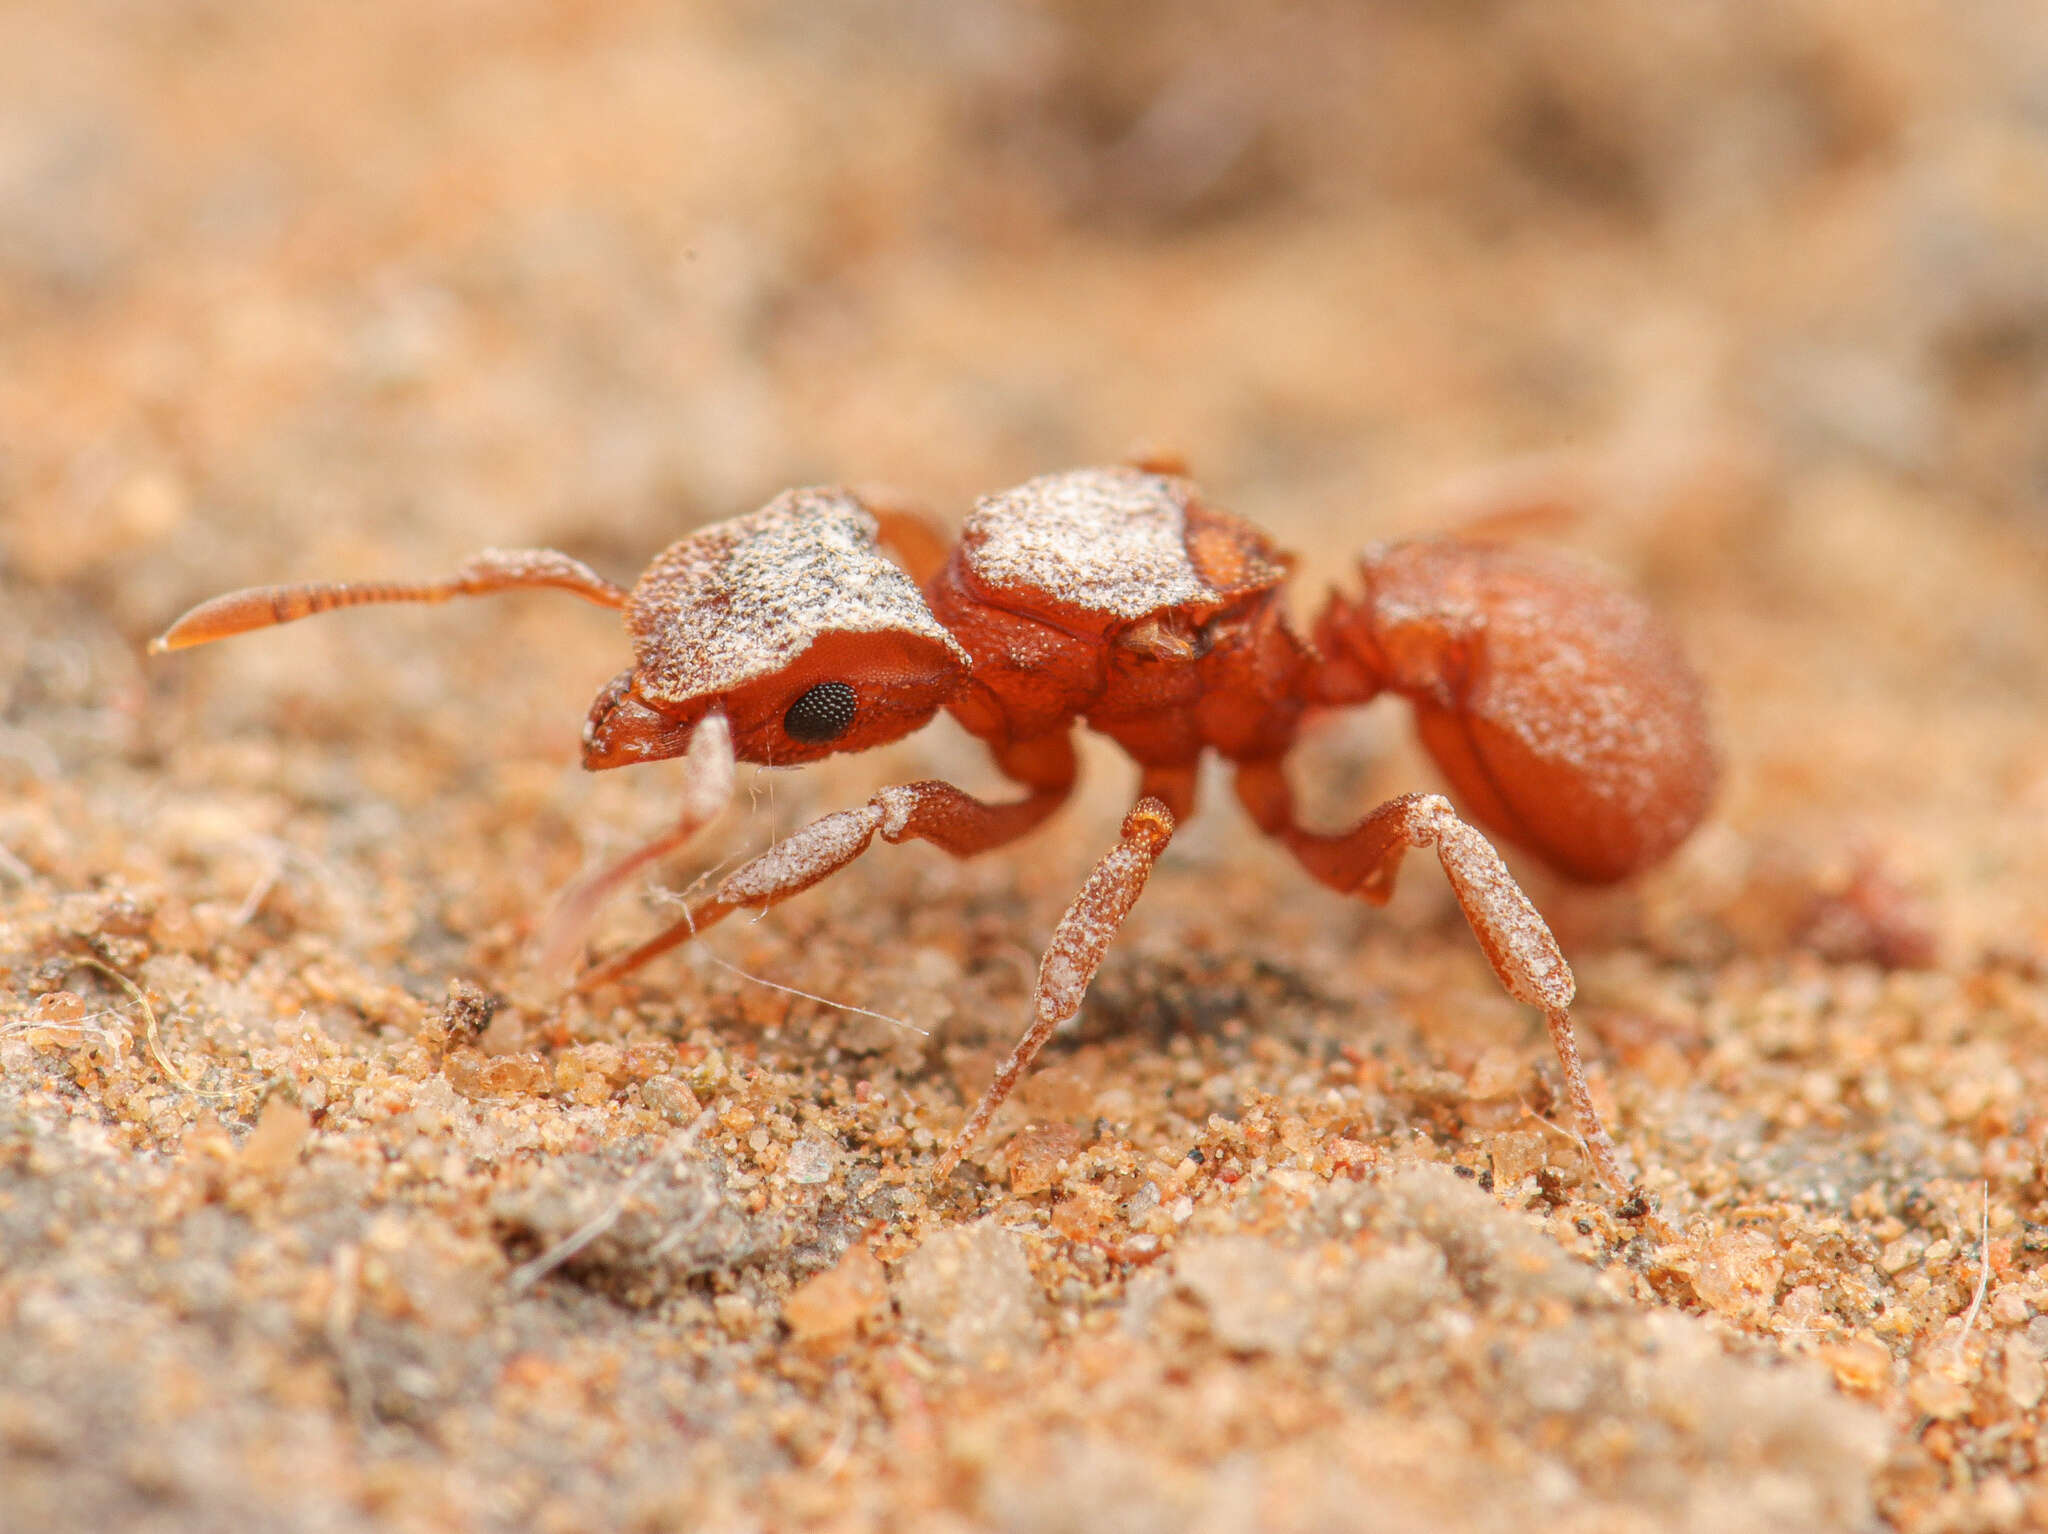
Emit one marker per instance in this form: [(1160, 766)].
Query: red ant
[(1558, 706)]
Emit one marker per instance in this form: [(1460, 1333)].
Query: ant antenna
[(261, 607)]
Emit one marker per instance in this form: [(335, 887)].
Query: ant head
[(794, 624)]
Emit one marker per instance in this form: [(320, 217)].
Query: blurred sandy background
[(296, 290)]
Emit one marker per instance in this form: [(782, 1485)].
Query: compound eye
[(823, 713)]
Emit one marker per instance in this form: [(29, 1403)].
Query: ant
[(1558, 706)]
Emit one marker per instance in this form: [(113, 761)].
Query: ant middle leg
[(1073, 956)]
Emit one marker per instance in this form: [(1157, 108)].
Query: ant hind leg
[(1516, 940)]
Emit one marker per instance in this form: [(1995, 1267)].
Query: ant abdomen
[(1559, 706)]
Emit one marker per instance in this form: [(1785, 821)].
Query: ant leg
[(707, 790), (1511, 932), (788, 868), (908, 532), (1071, 959), (259, 607), (930, 811)]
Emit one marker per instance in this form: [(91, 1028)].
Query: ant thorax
[(1115, 596)]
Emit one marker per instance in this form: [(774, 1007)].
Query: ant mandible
[(1559, 707)]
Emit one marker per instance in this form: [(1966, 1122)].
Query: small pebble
[(830, 1306), (810, 1161), (55, 1008), (1738, 1273), (968, 1294), (1040, 1156)]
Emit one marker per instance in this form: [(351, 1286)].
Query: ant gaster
[(1559, 707)]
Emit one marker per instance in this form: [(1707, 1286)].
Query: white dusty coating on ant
[(1559, 707), (1108, 541), (743, 598)]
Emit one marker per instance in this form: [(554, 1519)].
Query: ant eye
[(821, 714)]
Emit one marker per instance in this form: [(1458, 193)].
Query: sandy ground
[(298, 1231)]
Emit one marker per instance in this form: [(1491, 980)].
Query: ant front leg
[(1518, 943), (948, 817), (707, 790)]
